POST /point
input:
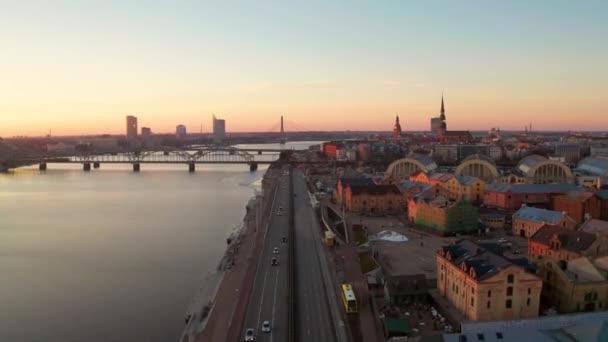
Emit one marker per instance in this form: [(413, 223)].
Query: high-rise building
[(219, 130), (146, 132), (435, 126), (131, 127), (180, 131)]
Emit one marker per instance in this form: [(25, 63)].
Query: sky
[(79, 67)]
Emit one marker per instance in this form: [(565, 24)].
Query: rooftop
[(583, 270), (441, 176), (479, 156), (529, 162), (466, 180), (595, 226), (374, 189), (347, 181), (596, 165), (552, 188), (539, 215), (483, 263), (572, 240), (579, 195)]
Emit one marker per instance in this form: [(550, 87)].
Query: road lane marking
[(261, 257), (274, 305), (262, 298)]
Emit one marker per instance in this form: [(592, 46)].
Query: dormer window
[(472, 272)]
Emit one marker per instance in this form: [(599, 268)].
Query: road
[(313, 319), (269, 295)]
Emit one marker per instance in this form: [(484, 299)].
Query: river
[(113, 255)]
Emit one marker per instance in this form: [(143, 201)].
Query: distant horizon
[(388, 132), (324, 65)]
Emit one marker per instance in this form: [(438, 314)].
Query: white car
[(266, 327), (249, 335), (275, 250)]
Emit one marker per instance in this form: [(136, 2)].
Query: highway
[(269, 294), (313, 319)]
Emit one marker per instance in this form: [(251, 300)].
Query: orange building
[(459, 188), (559, 243), (344, 182), (374, 199), (528, 220), (580, 205), (484, 286)]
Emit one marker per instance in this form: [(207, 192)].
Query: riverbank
[(204, 303)]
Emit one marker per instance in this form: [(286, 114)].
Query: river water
[(113, 255)]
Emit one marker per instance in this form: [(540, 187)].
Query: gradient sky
[(80, 66)]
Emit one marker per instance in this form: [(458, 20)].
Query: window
[(510, 278), (489, 293), (498, 335), (472, 290), (488, 305), (528, 302), (480, 337), (529, 290), (508, 304), (510, 291), (472, 301)]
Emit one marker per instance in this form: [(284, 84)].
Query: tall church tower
[(443, 127), (397, 129)]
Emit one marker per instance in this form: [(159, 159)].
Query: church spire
[(442, 108), (397, 128)]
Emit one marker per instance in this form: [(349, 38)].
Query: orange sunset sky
[(81, 68)]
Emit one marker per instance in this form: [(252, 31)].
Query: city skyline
[(323, 66)]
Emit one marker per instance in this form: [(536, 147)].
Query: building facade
[(528, 220), (511, 197), (443, 216), (146, 132), (219, 130), (131, 127), (374, 199), (580, 205), (559, 243), (573, 286), (180, 131), (484, 286)]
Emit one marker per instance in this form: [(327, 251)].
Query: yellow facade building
[(574, 286), (485, 286)]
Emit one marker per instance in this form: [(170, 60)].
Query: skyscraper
[(219, 130), (180, 131), (131, 127)]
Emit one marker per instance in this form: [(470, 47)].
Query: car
[(275, 250), (283, 239), (249, 335), (274, 262), (279, 214), (280, 208), (266, 326)]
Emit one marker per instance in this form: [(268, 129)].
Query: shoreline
[(203, 304)]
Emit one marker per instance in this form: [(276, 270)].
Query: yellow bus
[(348, 298)]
